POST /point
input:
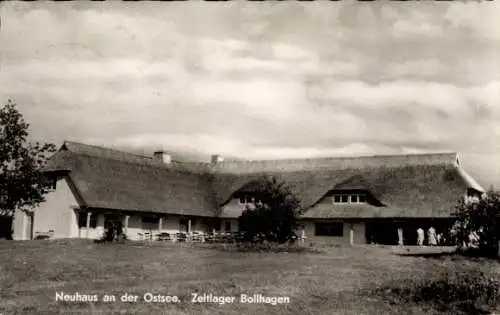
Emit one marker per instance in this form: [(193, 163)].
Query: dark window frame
[(242, 200), (331, 229), (150, 219), (248, 199), (82, 220), (227, 226)]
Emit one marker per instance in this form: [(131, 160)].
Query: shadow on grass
[(452, 255), (470, 255), (263, 248)]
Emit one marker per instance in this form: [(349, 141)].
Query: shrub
[(456, 292), (113, 232), (275, 218), (477, 225)]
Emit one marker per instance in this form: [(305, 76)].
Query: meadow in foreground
[(343, 280)]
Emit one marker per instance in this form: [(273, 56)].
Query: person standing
[(420, 237), (439, 238), (431, 236), (400, 237)]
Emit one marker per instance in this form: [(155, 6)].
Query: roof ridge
[(270, 160), (340, 157), (344, 162), (148, 163), (106, 148)]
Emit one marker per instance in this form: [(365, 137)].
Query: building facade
[(372, 199)]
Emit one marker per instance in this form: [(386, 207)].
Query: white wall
[(93, 233), (56, 213), (19, 225), (232, 210), (170, 224), (358, 233), (233, 222), (134, 228)]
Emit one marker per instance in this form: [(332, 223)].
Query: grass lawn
[(335, 281)]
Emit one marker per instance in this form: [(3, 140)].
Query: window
[(329, 229), (243, 200), (82, 220), (150, 219), (51, 182), (349, 198), (227, 226)]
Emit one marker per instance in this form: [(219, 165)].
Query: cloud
[(479, 18), (425, 68), (258, 80), (356, 149)]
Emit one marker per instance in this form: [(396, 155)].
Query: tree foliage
[(22, 185), (273, 219), (113, 232), (477, 224)]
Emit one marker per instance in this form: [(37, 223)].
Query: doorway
[(382, 232)]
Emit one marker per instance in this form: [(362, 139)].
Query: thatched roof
[(407, 185), (112, 180), (409, 191)]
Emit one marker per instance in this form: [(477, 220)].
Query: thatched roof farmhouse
[(343, 199)]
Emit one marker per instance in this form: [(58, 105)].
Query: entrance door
[(382, 232), (112, 220), (183, 225)]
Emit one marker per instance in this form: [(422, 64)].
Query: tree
[(113, 232), (477, 224), (22, 184), (274, 218)]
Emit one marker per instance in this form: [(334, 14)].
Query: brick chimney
[(162, 156), (215, 158)]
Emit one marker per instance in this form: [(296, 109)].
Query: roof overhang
[(471, 182), (56, 172)]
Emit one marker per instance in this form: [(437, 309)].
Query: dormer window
[(244, 200), (52, 183), (349, 198)]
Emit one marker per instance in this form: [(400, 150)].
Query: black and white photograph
[(250, 157)]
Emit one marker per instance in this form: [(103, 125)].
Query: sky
[(260, 80)]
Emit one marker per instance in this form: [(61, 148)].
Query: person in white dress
[(431, 235), (400, 237), (420, 237)]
